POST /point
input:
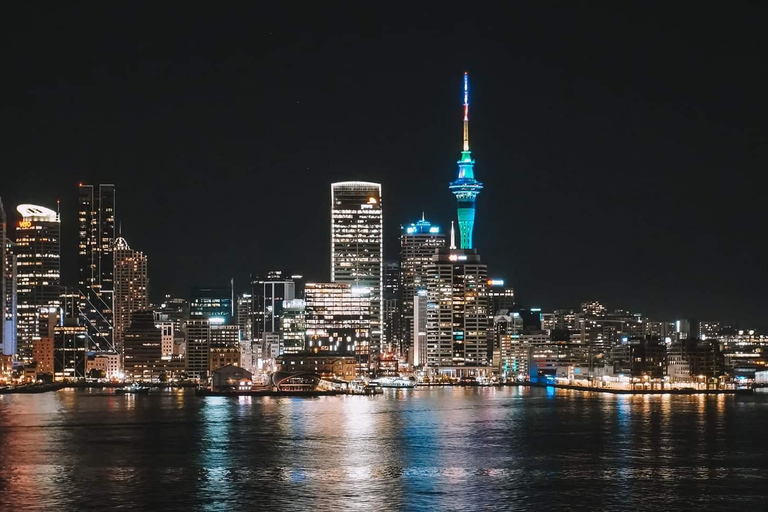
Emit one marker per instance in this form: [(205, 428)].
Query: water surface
[(423, 449)]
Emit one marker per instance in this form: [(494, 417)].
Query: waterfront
[(440, 448)]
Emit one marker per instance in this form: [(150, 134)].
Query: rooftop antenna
[(453, 237), (466, 111)]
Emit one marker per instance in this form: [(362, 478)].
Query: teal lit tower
[(466, 187)]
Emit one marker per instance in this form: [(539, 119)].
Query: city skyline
[(551, 146)]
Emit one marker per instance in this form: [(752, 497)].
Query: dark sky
[(623, 151)]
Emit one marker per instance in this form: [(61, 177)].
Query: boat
[(133, 389), (395, 382)]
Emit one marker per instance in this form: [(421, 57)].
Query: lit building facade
[(70, 351), (7, 289), (143, 347), (38, 275), (269, 292), (457, 313), (96, 242), (293, 326), (214, 304), (357, 250), (418, 243), (130, 287), (466, 187), (390, 310), (338, 321), (224, 347)]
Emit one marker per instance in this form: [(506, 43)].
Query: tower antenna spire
[(466, 111), (453, 237)]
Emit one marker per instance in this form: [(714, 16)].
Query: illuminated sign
[(495, 282), (25, 224), (434, 229)]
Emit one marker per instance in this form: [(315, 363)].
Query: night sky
[(623, 151)]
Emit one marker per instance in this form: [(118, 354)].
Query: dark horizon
[(621, 150)]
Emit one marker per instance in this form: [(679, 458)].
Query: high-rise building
[(245, 315), (130, 287), (457, 314), (390, 309), (38, 277), (198, 348), (214, 304), (70, 351), (417, 352), (7, 289), (466, 187), (293, 326), (357, 250), (177, 311), (500, 297), (269, 292), (96, 240), (418, 243), (338, 320)]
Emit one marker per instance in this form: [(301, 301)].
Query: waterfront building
[(645, 357), (224, 346), (143, 347), (96, 243), (102, 365), (231, 378), (357, 250), (70, 350), (689, 359), (331, 366), (338, 321), (457, 313), (390, 310), (198, 334), (417, 351), (8, 298), (213, 304), (418, 243), (130, 285), (269, 292), (293, 326), (466, 188), (42, 354), (38, 277)]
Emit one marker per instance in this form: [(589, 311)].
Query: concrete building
[(42, 353), (104, 363), (418, 243), (457, 314), (143, 348), (198, 348), (224, 346), (357, 250), (130, 287)]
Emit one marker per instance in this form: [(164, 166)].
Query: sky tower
[(466, 187)]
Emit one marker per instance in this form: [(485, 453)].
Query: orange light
[(25, 224)]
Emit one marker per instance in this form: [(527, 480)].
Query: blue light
[(434, 229)]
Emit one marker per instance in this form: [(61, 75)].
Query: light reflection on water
[(450, 448)]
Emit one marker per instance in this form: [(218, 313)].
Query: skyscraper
[(357, 249), (466, 187), (96, 240), (457, 313), (213, 304), (390, 309), (38, 272), (130, 287), (418, 243), (7, 289)]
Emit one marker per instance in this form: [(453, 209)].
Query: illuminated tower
[(357, 249), (38, 275), (466, 187)]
